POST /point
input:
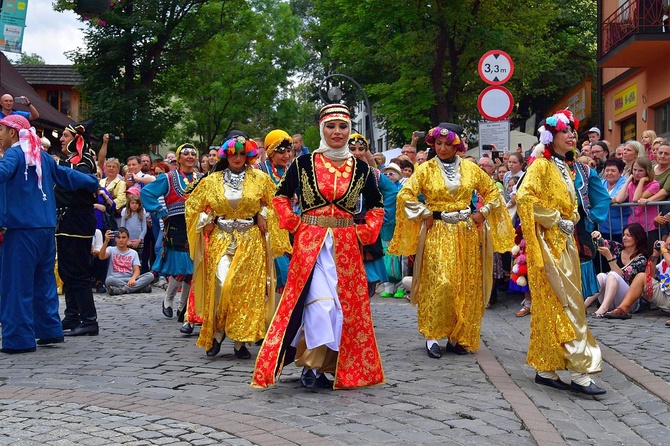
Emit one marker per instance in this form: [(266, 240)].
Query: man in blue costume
[(29, 305)]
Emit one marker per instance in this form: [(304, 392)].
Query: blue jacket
[(21, 202)]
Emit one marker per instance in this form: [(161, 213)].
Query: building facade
[(633, 55)]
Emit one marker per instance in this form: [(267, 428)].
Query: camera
[(20, 100), (115, 233), (600, 241), (420, 134), (113, 137), (487, 146), (657, 245)]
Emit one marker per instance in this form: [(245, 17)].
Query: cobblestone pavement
[(142, 382)]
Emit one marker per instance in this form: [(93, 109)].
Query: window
[(60, 100), (629, 128), (662, 119)]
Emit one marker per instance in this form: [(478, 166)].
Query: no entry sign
[(495, 103)]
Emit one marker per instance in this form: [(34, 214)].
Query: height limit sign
[(496, 67)]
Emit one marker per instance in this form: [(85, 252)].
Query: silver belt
[(234, 225), (456, 216)]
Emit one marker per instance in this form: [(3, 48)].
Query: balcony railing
[(634, 16)]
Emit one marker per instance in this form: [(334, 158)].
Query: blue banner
[(12, 24)]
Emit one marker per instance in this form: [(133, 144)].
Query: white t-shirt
[(121, 263)]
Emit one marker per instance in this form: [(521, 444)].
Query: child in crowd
[(511, 183), (393, 263), (123, 275), (133, 218)]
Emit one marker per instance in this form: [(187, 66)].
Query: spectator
[(631, 152), (410, 152), (626, 261), (593, 135), (115, 184), (171, 160), (641, 184), (648, 137), (211, 157), (203, 165), (407, 167), (104, 211), (123, 275), (29, 304), (145, 163), (134, 176), (133, 218), (614, 182), (618, 153), (586, 149), (380, 159), (660, 292), (7, 104), (299, 147), (486, 164), (262, 155), (600, 153), (421, 157)]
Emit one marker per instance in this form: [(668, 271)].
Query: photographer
[(7, 103), (626, 261)]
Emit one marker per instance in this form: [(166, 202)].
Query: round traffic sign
[(496, 67), (495, 103)]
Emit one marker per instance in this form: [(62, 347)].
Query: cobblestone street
[(142, 382)]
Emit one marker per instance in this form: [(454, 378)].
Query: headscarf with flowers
[(559, 121), (238, 144)]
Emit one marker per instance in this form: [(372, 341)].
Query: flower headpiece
[(238, 144), (451, 138), (357, 138), (555, 123)]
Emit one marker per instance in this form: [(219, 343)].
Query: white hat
[(594, 130), (394, 167)]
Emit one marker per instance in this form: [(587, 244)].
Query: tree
[(130, 50), (417, 60), (29, 59), (236, 79)]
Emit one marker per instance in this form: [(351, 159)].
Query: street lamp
[(335, 94)]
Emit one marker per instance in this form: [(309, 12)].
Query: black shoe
[(70, 324), (167, 311), (308, 379), (457, 349), (216, 348), (434, 351), (47, 341), (242, 353), (186, 328), (260, 341), (554, 383), (13, 351), (146, 289), (84, 330), (591, 389), (100, 289), (323, 383), (180, 315)]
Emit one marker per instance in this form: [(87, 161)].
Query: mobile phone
[(487, 146), (20, 100), (115, 233), (420, 134)]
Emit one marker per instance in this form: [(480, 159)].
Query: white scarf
[(333, 153)]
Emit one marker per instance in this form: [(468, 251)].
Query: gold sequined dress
[(455, 275), (559, 336), (231, 268)]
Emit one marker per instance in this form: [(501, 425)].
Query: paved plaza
[(141, 382)]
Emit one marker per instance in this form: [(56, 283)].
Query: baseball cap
[(594, 130), (133, 190)]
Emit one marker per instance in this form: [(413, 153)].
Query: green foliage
[(417, 60), (29, 59)]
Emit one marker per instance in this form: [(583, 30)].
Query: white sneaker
[(161, 282)]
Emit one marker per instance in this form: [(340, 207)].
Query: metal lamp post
[(335, 94)]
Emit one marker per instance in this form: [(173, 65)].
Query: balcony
[(634, 35)]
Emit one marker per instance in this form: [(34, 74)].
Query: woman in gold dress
[(547, 206), (228, 215), (453, 243)]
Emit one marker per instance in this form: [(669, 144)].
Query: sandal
[(618, 313), (598, 315)]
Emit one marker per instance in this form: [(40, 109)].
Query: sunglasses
[(187, 152)]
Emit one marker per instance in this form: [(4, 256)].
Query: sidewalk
[(142, 382)]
